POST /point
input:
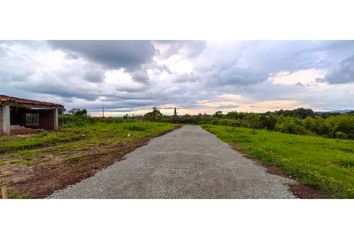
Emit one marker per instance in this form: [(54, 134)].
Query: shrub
[(291, 125), (324, 128), (268, 122), (341, 135), (135, 128), (311, 124)]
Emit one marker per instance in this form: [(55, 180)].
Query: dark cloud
[(120, 105), (61, 90), (94, 75), (344, 73), (113, 54), (239, 76), (140, 76)]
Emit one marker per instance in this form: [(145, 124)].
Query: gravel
[(186, 163)]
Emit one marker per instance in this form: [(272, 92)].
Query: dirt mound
[(17, 129)]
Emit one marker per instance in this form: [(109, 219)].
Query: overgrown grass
[(42, 139), (35, 148), (327, 164)]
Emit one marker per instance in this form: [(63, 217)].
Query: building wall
[(1, 121), (46, 117)]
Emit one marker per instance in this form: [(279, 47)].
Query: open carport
[(19, 114)]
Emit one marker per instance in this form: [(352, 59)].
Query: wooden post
[(4, 192)]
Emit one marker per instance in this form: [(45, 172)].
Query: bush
[(341, 135), (135, 128), (312, 124), (268, 122), (227, 122), (291, 125), (324, 129), (155, 115)]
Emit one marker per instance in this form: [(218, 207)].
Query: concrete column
[(56, 120), (6, 119)]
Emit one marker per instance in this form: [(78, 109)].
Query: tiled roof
[(14, 100)]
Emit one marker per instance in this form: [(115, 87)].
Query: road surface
[(186, 163)]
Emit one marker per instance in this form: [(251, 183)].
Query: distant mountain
[(336, 111), (342, 111)]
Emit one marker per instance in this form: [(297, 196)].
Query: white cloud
[(306, 77), (195, 76), (119, 80)]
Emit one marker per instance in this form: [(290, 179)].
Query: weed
[(16, 194)]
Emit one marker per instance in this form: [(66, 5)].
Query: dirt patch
[(300, 190), (306, 192), (17, 130), (43, 179)]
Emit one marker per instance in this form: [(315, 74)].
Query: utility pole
[(103, 111)]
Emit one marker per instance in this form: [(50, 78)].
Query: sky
[(131, 77)]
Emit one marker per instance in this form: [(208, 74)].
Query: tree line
[(298, 121)]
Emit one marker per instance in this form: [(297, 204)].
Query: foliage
[(155, 115), (299, 121), (268, 122), (297, 113), (78, 112), (218, 114), (291, 125)]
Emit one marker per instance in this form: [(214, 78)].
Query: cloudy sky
[(194, 76)]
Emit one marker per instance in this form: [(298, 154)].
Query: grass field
[(326, 164), (35, 163)]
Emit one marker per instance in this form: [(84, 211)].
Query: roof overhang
[(27, 103)]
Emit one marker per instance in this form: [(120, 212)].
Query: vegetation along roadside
[(35, 165), (326, 164)]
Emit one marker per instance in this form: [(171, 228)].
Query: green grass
[(35, 148), (15, 194), (42, 139), (327, 164)]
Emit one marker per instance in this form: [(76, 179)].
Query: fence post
[(4, 192)]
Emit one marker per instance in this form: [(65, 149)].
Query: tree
[(218, 114), (155, 115), (303, 113), (232, 115), (268, 121), (299, 112), (61, 111), (175, 118), (78, 112)]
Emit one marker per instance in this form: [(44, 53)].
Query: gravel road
[(186, 163)]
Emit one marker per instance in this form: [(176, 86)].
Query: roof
[(5, 100)]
